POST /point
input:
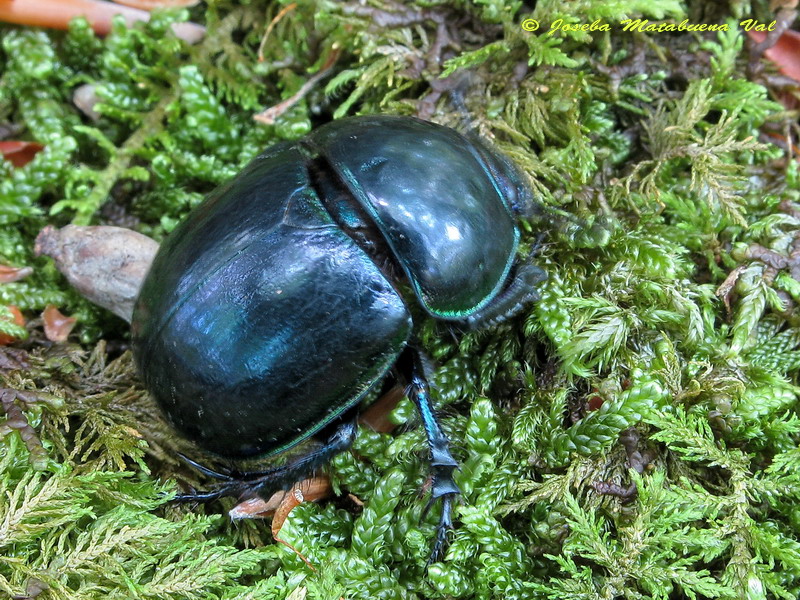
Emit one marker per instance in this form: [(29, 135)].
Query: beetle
[(271, 311)]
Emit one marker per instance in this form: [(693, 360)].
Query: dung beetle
[(273, 309)]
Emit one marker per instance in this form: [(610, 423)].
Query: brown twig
[(17, 421), (268, 116), (283, 12)]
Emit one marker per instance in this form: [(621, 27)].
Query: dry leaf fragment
[(57, 14), (19, 153), (5, 339), (376, 415), (33, 588), (85, 98), (785, 53), (107, 265), (12, 274), (308, 490), (281, 504), (149, 5), (57, 326)]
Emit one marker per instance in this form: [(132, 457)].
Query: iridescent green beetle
[(272, 310)]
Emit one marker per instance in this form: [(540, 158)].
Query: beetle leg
[(519, 292), (265, 483), (442, 462), (231, 489), (286, 475), (205, 470)]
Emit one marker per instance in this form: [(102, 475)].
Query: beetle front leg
[(521, 291), (442, 462)]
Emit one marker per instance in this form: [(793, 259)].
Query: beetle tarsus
[(445, 525), (443, 465)]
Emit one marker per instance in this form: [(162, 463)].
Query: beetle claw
[(205, 470), (445, 524)]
